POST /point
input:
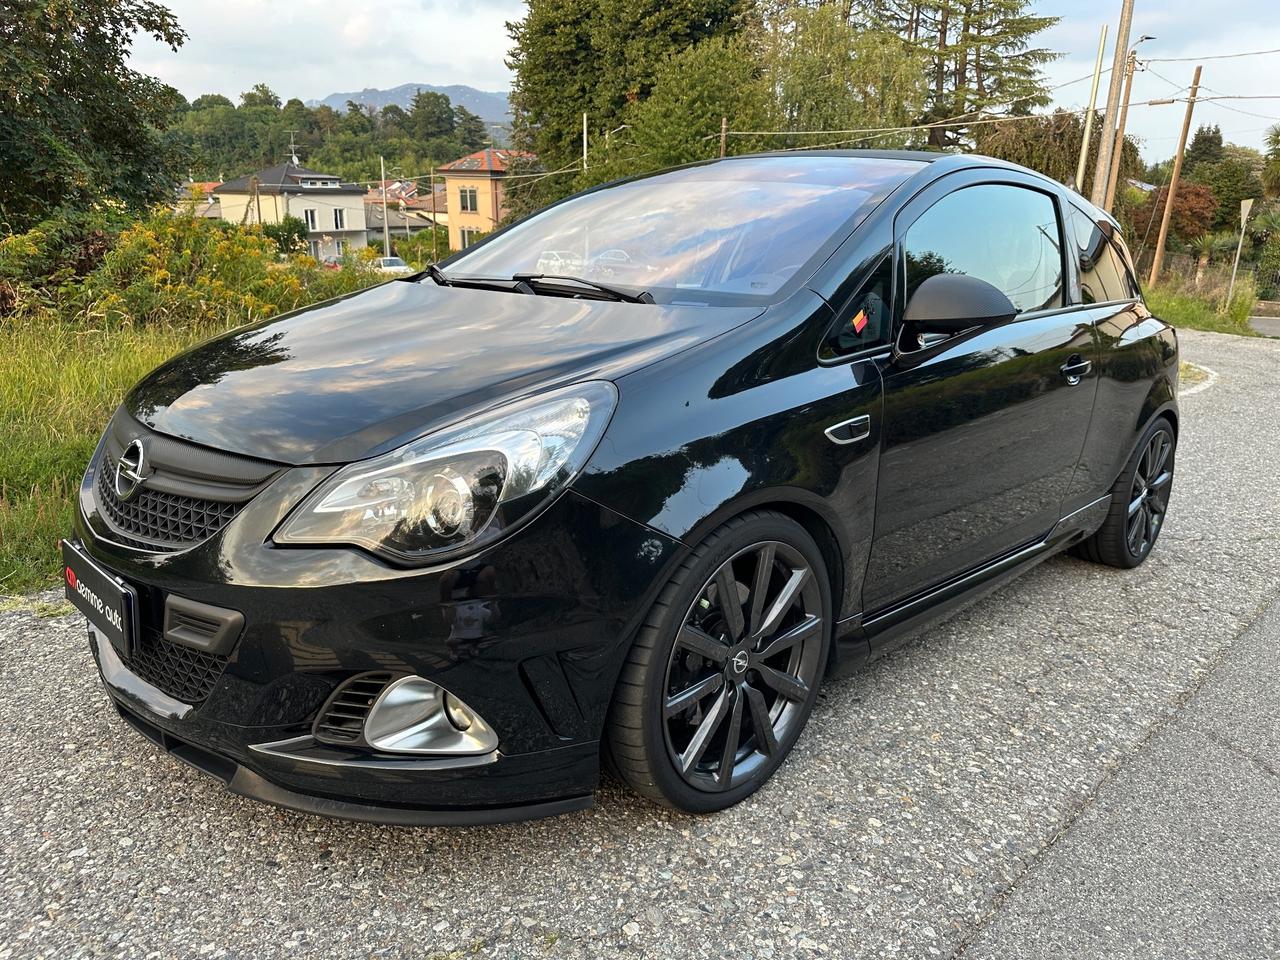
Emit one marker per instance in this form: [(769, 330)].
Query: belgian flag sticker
[(860, 322)]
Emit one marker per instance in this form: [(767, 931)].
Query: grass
[(59, 383), (1189, 374), (1183, 308)]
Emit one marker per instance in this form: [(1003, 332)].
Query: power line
[(1218, 56)]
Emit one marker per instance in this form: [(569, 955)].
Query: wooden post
[(724, 134), (1158, 261), (1088, 117), (1114, 176), (1103, 168)]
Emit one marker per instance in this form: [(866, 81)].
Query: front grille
[(342, 719), (189, 493), (156, 518), (182, 672)]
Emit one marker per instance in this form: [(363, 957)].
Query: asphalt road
[(1267, 326), (1084, 764)]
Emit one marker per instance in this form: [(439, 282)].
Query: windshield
[(722, 232), (392, 262)]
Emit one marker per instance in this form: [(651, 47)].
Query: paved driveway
[(1084, 763)]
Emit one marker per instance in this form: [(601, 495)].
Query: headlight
[(455, 490)]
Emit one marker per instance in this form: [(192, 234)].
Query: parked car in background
[(434, 552), (392, 265)]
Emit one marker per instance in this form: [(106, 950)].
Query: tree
[(1207, 246), (1231, 179), (979, 53), (1194, 209), (692, 90), (469, 130), (828, 75), (431, 115), (260, 95), (1205, 147), (1271, 169), (77, 126), (596, 57), (208, 101), (1051, 145)]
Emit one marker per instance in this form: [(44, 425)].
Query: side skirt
[(887, 629)]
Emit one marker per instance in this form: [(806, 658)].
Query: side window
[(1005, 235), (1103, 274), (866, 321)]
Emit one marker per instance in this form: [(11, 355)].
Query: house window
[(340, 246), (339, 219), (310, 217), (470, 236), (467, 200), (313, 245)]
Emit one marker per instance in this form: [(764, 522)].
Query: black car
[(434, 552)]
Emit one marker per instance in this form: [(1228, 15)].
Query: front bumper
[(530, 633)]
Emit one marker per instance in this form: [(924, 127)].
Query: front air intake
[(342, 719)]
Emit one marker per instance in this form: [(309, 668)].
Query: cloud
[(1181, 30), (309, 49)]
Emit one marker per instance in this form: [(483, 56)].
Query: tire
[(671, 720), (1118, 543)]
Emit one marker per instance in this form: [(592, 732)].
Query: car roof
[(952, 162)]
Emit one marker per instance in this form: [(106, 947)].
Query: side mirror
[(950, 303)]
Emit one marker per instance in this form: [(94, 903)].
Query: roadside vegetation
[(85, 314)]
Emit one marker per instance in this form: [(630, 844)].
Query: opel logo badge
[(131, 471), (740, 662)]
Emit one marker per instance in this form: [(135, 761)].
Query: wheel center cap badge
[(739, 662), (131, 471)]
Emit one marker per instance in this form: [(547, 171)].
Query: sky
[(309, 49)]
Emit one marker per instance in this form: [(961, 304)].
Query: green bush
[(74, 345)]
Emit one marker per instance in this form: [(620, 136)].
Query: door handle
[(1076, 368), (849, 431)]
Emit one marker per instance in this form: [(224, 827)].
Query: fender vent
[(342, 719)]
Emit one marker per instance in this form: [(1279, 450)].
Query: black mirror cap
[(951, 303)]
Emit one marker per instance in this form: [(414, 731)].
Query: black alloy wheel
[(1149, 494), (721, 681), (1139, 502)]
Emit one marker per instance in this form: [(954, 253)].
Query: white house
[(333, 211)]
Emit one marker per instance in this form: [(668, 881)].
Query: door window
[(1103, 275), (1005, 235), (865, 321)]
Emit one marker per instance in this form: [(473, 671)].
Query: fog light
[(414, 715)]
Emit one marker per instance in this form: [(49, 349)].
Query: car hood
[(352, 378)]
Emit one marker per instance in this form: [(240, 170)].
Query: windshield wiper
[(554, 283), (480, 283)]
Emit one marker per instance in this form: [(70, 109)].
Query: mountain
[(489, 107)]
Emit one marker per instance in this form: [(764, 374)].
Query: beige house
[(475, 190), (333, 211)]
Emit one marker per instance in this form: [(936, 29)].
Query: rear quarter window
[(1104, 273)]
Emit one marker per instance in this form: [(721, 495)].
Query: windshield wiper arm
[(480, 283), (554, 281)]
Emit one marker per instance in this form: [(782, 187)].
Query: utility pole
[(257, 199), (1088, 117), (584, 141), (435, 255), (386, 226), (724, 134), (1131, 67), (1102, 170), (1158, 261)]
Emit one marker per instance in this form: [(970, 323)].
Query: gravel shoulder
[(940, 801)]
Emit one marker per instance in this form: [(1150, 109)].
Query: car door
[(982, 430)]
